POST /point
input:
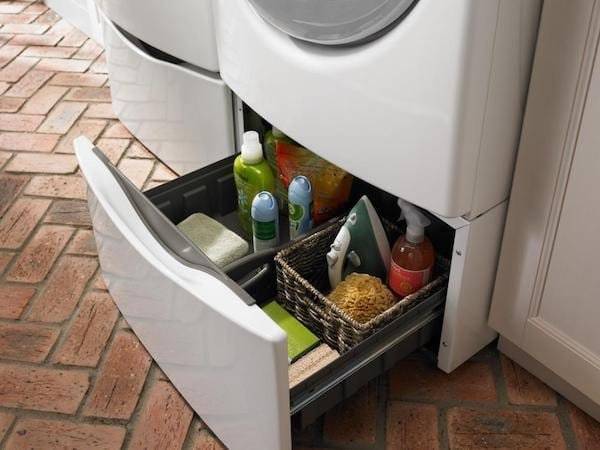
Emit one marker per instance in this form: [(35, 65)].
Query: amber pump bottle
[(413, 256)]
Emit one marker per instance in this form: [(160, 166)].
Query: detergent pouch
[(331, 185)]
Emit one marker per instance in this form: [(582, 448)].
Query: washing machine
[(421, 100)]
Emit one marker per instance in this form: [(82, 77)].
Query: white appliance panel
[(183, 116), (407, 111), (228, 359), (182, 28)]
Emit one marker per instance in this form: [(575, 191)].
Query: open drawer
[(204, 326)]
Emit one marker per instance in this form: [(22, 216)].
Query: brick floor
[(72, 375)]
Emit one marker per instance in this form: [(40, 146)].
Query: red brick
[(17, 68), (35, 39), (586, 429), (42, 389), (30, 433), (164, 420), (83, 243), (6, 421), (44, 51), (10, 104), (99, 283), (113, 148), (523, 388), (479, 429), (26, 341), (412, 426), (4, 38), (90, 128), (63, 65), (5, 259), (42, 163), (36, 8), (117, 130), (12, 7), (61, 294), (137, 170), (69, 212), (16, 18), (61, 29), (29, 84), (62, 117), (57, 186), (50, 18), (20, 220), (19, 122), (120, 380), (78, 79), (4, 157), (36, 260), (14, 300), (4, 86), (163, 173), (89, 50), (89, 332), (99, 65), (205, 440), (8, 53), (10, 186), (354, 421), (43, 100), (73, 38), (418, 380), (28, 142), (100, 111), (24, 28), (89, 94), (137, 150)]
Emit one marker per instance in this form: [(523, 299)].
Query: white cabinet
[(546, 304)]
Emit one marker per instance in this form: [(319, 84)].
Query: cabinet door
[(547, 298)]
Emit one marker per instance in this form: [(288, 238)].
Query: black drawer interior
[(211, 190)]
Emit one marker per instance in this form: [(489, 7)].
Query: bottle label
[(404, 282), (264, 231), (300, 219)]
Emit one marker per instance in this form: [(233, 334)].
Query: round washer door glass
[(331, 22)]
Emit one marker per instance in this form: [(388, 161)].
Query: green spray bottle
[(252, 175)]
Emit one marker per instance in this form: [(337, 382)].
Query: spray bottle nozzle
[(416, 221)]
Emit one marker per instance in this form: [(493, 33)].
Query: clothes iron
[(360, 246)]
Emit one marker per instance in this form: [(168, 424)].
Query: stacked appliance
[(422, 99)]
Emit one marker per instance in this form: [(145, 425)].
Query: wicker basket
[(302, 278)]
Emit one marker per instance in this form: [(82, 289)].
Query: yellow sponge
[(362, 297)]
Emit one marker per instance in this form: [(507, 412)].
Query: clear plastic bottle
[(413, 255)]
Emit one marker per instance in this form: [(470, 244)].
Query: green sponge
[(300, 339)]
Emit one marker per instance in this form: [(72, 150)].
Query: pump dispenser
[(251, 149), (413, 256)]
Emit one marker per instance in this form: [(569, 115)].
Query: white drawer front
[(182, 28), (182, 116), (228, 359)]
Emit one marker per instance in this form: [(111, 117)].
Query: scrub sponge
[(362, 297), (217, 242)]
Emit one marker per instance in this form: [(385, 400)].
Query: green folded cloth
[(217, 242), (300, 339)]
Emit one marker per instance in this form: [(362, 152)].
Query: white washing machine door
[(332, 22)]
